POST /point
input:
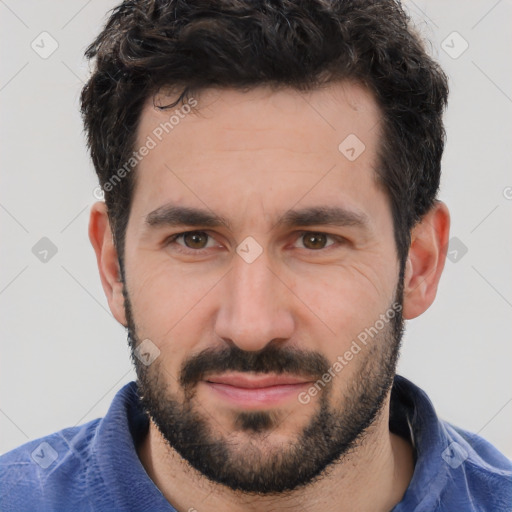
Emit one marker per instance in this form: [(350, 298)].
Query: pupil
[(195, 240), (315, 241)]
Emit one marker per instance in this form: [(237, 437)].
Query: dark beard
[(331, 434)]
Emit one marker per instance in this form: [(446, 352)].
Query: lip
[(255, 391), (255, 381)]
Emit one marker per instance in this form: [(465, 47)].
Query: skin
[(250, 157)]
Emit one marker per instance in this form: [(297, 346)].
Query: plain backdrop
[(63, 356)]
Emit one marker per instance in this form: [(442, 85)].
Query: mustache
[(271, 359)]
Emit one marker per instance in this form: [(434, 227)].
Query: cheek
[(346, 300), (168, 305)]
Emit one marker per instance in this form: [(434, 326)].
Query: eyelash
[(187, 250)]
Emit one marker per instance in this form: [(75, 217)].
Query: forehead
[(337, 107), (266, 145)]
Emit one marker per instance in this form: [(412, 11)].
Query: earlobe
[(100, 235), (426, 259)]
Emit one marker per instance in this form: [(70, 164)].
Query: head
[(270, 174)]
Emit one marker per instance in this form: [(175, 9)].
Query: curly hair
[(148, 45)]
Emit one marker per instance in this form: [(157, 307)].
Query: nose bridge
[(254, 310), (252, 286)]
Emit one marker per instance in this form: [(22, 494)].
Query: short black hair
[(148, 45)]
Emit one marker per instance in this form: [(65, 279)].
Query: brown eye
[(314, 240), (195, 239)]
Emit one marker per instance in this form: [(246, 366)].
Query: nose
[(256, 307)]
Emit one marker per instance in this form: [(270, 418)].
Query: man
[(270, 220)]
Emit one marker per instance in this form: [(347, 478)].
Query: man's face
[(300, 271)]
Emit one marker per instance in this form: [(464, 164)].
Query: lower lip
[(257, 397)]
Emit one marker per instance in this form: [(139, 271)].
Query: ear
[(425, 262), (100, 235)]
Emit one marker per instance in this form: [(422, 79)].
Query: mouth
[(255, 391)]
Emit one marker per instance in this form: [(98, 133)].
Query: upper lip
[(255, 381)]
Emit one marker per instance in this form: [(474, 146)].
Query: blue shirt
[(95, 466)]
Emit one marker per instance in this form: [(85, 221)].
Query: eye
[(315, 241), (195, 240)]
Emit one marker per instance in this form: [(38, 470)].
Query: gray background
[(63, 356)]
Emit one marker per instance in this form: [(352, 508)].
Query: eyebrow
[(323, 215), (171, 215)]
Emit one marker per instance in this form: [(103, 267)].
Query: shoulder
[(479, 467), (454, 469), (89, 467), (47, 470)]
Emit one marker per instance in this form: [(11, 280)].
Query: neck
[(373, 477)]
